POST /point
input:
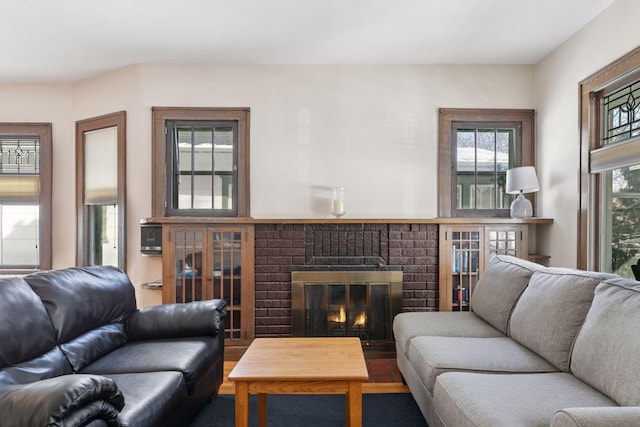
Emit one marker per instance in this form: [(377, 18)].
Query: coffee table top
[(302, 359)]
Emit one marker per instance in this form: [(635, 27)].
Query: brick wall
[(283, 248)]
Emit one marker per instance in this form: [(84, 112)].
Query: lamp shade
[(522, 179)]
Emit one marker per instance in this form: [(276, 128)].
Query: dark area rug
[(318, 410)]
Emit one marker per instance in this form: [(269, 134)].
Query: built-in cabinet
[(204, 261), (464, 252)]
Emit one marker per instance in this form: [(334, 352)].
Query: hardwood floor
[(383, 374)]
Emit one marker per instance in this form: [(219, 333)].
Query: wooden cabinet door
[(211, 262), (465, 251), (506, 240), (183, 275), (462, 258), (230, 257)]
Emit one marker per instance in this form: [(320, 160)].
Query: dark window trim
[(44, 133), (447, 118), (160, 174), (591, 91), (118, 119)]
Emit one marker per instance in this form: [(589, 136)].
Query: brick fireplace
[(283, 248)]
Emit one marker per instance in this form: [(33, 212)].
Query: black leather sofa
[(75, 351)]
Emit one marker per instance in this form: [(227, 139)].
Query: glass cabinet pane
[(465, 256), (225, 248), (188, 262)]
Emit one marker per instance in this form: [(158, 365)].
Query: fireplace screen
[(341, 303)]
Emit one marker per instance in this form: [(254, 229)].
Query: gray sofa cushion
[(597, 417), (432, 356), (442, 323), (606, 351), (499, 287), (476, 400), (551, 311)]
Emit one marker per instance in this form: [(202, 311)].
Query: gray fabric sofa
[(541, 346)]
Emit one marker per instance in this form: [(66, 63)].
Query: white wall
[(51, 103), (372, 129), (612, 34)]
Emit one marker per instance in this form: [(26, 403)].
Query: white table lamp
[(522, 180)]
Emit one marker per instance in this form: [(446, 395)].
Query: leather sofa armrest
[(597, 416), (70, 400), (192, 319)]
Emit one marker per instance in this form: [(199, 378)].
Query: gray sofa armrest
[(192, 319), (623, 416), (69, 400)]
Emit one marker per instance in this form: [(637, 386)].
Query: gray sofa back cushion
[(499, 287), (551, 311), (606, 350), (83, 298)]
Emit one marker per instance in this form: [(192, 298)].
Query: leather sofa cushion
[(191, 356), (499, 288), (92, 345), (606, 351), (150, 398), (83, 298), (24, 323), (467, 399), (49, 365), (551, 311)]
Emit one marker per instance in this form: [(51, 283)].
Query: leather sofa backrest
[(551, 311), (605, 354), (81, 299), (25, 329)]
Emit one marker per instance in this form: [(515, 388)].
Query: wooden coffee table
[(300, 366)]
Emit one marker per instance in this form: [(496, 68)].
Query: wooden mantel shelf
[(249, 220)]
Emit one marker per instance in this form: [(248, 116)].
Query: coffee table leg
[(354, 404), (242, 404), (262, 410)]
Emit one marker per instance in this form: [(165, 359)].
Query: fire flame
[(342, 317), (361, 320)]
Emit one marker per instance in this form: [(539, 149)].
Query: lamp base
[(521, 207)]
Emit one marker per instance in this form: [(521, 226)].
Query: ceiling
[(69, 40)]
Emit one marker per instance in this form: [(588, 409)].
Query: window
[(25, 196), (201, 162), (476, 148), (609, 220), (101, 197)]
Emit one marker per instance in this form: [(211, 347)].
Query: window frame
[(161, 175), (44, 132), (594, 157), (448, 117), (83, 212)]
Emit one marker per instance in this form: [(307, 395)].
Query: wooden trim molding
[(44, 132), (158, 149), (248, 220), (591, 91), (118, 119), (445, 167)]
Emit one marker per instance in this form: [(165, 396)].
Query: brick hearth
[(283, 248)]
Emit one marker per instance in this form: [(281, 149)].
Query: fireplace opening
[(346, 303)]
